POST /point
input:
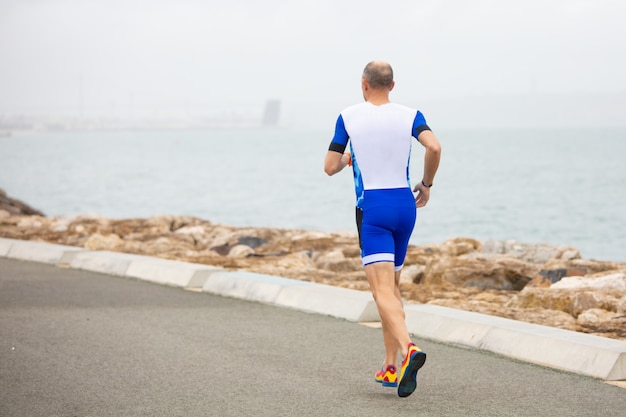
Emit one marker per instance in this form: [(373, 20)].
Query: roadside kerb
[(580, 353), (301, 295), (48, 253), (5, 246), (168, 272), (567, 350), (248, 285), (352, 305), (105, 262)]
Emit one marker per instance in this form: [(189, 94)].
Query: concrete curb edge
[(556, 348)]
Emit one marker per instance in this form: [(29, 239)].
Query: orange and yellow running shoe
[(413, 361), (387, 376)]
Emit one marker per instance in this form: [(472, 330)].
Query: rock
[(538, 283), (171, 245), (240, 251), (535, 315), (31, 222), (223, 249), (111, 242), (296, 261), (546, 277), (594, 316), (16, 207), (570, 254), (251, 241), (191, 230), (460, 246), (621, 306), (597, 281), (583, 266), (533, 253), (60, 225), (475, 270), (572, 302), (336, 261), (412, 274)]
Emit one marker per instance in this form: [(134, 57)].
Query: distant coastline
[(253, 118), (53, 124)]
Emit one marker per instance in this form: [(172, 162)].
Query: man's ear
[(393, 84)]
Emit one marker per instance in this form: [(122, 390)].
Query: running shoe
[(387, 376), (414, 360)]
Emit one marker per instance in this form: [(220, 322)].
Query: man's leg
[(391, 345), (382, 280)]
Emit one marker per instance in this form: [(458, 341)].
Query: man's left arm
[(432, 156), (431, 163)]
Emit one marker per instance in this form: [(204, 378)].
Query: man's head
[(377, 82), (378, 75)]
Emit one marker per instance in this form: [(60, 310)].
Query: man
[(380, 135)]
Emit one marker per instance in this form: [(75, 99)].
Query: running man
[(380, 135)]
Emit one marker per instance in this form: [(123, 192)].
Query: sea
[(557, 186)]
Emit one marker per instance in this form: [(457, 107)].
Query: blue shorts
[(385, 221)]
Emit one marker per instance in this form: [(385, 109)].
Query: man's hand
[(347, 158), (422, 196)]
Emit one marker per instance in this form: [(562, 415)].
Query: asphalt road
[(76, 343)]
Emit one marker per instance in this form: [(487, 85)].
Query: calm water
[(555, 186)]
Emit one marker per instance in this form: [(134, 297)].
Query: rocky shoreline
[(538, 283)]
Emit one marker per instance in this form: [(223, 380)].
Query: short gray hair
[(378, 74)]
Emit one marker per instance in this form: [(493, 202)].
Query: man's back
[(380, 138)]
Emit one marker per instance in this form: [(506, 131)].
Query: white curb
[(41, 252), (349, 304), (248, 285), (174, 273), (105, 262), (581, 353), (5, 246), (571, 351)]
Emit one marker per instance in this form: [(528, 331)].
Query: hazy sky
[(193, 56)]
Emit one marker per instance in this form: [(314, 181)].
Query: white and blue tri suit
[(380, 140)]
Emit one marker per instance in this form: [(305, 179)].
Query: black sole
[(408, 384)]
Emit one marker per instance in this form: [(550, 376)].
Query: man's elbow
[(332, 164), (434, 149), (430, 142)]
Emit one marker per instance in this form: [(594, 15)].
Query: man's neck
[(378, 98), (378, 102)]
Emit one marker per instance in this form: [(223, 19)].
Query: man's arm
[(337, 158), (335, 162), (432, 156), (431, 163)]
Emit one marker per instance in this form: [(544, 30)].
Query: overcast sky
[(107, 57)]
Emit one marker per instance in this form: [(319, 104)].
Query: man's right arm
[(335, 162), (336, 159)]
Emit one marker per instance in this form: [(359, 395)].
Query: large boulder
[(480, 270), (501, 265), (537, 253), (13, 206)]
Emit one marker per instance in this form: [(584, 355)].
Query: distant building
[(271, 114)]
